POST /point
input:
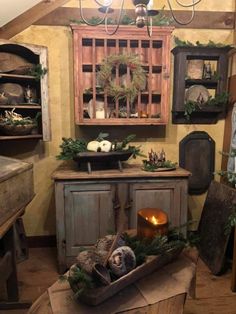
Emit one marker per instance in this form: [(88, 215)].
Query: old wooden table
[(162, 292), (16, 191)]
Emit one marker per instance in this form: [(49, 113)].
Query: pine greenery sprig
[(71, 147), (231, 222), (191, 106), (186, 43), (161, 244), (38, 71), (79, 280)]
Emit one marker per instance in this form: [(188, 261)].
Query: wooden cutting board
[(219, 203), (197, 155)]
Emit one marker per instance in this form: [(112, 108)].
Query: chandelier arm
[(118, 22), (86, 21), (188, 5), (176, 20), (149, 24)]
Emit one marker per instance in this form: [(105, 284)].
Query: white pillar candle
[(100, 114)]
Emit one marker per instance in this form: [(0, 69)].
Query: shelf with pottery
[(22, 106), (109, 100), (200, 80), (207, 83), (18, 77), (24, 112), (20, 137)]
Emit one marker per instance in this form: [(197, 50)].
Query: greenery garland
[(191, 106), (121, 92), (210, 44)]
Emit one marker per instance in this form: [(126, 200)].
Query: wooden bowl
[(9, 129)]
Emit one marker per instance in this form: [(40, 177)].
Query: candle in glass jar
[(151, 222)]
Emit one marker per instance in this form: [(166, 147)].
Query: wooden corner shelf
[(16, 60)]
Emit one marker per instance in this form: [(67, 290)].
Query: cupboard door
[(88, 215), (167, 196)]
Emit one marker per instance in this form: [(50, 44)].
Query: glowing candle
[(151, 222)]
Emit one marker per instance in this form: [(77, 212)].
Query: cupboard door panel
[(162, 195), (88, 216)]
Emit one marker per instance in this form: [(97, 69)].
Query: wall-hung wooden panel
[(197, 154)]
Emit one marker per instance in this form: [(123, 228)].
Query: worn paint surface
[(40, 214)]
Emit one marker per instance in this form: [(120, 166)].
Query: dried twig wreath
[(137, 77)]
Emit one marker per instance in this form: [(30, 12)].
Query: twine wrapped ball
[(122, 261)]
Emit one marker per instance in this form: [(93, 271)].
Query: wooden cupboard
[(93, 105), (89, 206)]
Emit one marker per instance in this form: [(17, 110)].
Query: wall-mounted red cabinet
[(93, 106)]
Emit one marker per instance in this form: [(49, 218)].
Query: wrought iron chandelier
[(143, 13)]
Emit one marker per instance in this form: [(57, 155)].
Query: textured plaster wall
[(40, 214)]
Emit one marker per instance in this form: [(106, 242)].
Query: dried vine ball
[(132, 65), (122, 261)]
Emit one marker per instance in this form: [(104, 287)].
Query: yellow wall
[(40, 214)]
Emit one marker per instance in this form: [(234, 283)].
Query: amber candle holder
[(151, 222)]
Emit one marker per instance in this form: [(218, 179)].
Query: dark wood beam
[(203, 19), (29, 17)]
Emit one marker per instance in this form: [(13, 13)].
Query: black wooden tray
[(102, 158)]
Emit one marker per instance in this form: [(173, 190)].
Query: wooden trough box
[(16, 186)]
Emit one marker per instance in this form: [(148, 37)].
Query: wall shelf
[(22, 57), (21, 137), (215, 84), (90, 48)]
